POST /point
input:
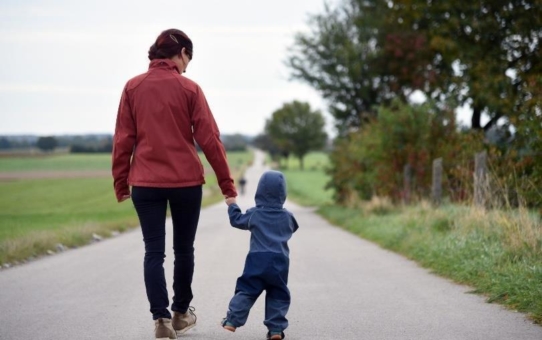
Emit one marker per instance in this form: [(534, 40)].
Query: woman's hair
[(169, 44)]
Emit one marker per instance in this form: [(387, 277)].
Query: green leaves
[(295, 128), (336, 59), (361, 54), (365, 55)]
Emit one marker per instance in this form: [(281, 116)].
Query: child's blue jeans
[(263, 271)]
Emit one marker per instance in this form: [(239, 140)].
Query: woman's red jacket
[(160, 115)]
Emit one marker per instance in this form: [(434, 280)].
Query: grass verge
[(498, 253)]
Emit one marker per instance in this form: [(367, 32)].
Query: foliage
[(338, 56), (106, 148), (504, 34), (360, 54), (515, 178), (528, 144), (47, 144), (264, 142), (4, 143), (371, 161), (296, 128), (18, 142), (86, 140), (235, 142), (364, 55)]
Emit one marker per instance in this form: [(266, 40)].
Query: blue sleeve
[(237, 218)]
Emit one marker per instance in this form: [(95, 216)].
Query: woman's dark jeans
[(151, 206)]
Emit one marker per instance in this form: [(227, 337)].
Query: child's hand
[(230, 201)]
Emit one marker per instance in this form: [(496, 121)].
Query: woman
[(160, 115)]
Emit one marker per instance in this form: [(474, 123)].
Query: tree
[(235, 142), (295, 128), (264, 142), (4, 143), (365, 52), (492, 46), (362, 54), (337, 57), (47, 144), (372, 161), (358, 60)]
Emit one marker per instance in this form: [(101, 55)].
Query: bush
[(47, 144), (371, 161), (79, 148)]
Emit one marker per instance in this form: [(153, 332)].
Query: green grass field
[(37, 214), (55, 162), (308, 186), (44, 204), (84, 162)]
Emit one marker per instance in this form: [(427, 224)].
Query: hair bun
[(170, 43), (153, 52)]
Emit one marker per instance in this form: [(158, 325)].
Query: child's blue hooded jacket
[(270, 224)]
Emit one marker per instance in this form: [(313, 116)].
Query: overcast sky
[(64, 63)]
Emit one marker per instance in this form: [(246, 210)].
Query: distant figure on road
[(267, 263), (242, 183), (160, 115)]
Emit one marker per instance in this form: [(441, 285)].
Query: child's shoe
[(183, 322), (163, 329), (275, 335), (228, 325)]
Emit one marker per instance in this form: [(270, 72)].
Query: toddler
[(267, 263)]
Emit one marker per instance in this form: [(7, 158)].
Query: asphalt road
[(342, 288)]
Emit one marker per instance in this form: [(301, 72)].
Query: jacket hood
[(271, 190)]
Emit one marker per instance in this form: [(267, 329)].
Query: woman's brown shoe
[(163, 329), (183, 322)]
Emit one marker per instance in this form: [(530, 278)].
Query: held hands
[(231, 200)]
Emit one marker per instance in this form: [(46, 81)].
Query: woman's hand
[(124, 198)]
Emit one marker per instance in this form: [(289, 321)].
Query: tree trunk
[(301, 166), (492, 121), (476, 118)]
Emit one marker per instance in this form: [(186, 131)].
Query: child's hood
[(271, 190)]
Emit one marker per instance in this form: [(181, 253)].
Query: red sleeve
[(123, 146), (207, 136)]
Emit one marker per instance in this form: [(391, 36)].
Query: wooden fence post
[(480, 179), (436, 190), (407, 179)]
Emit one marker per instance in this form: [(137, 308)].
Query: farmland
[(68, 199)]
